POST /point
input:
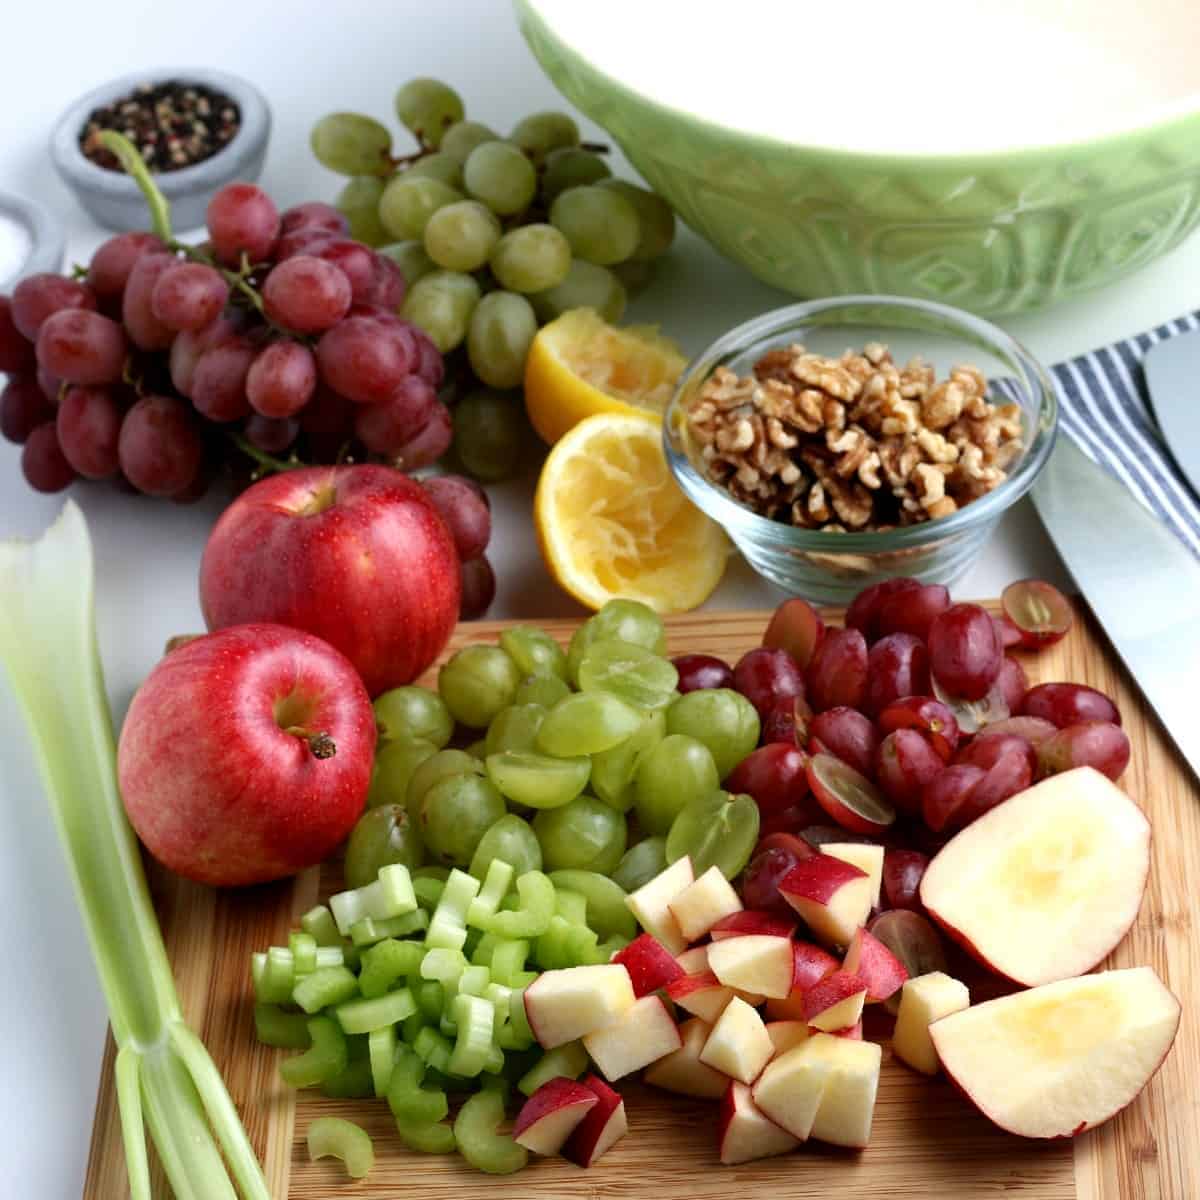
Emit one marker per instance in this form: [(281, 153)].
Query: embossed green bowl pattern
[(993, 233)]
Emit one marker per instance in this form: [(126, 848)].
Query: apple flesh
[(703, 903), (865, 857), (642, 1034), (847, 1106), (551, 1114), (650, 965), (924, 1000), (880, 970), (752, 921), (682, 1071), (832, 897), (602, 1126), (701, 994), (744, 1132), (739, 1045), (356, 555), (246, 755), (564, 1005), (1044, 885), (1063, 1057), (810, 964), (651, 903), (786, 1035), (757, 963), (836, 1002)]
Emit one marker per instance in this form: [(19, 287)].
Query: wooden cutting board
[(927, 1141)]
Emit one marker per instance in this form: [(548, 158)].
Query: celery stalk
[(48, 647)]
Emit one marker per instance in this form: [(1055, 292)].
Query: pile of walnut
[(853, 443)]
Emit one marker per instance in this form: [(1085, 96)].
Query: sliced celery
[(550, 950), (333, 1137), (270, 987), (448, 928), (431, 998), (427, 1137), (481, 954), (507, 959), (365, 1016), (280, 975), (324, 987), (368, 931), (509, 1038), (405, 1096), (522, 979), (286, 1030), (428, 891), (354, 1082), (518, 1020), (385, 962), (569, 1059), (304, 953), (445, 966), (433, 1048), (390, 895), (474, 1018), (501, 998), (474, 980), (495, 887), (606, 949), (320, 924), (537, 898), (475, 1131), (581, 945), (381, 1050), (411, 1026), (493, 1062), (326, 1057)]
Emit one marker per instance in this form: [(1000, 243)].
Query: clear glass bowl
[(832, 567)]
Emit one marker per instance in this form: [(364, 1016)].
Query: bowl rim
[(1180, 113), (742, 522), (80, 171), (47, 238)]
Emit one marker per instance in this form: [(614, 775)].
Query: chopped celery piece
[(444, 965), (509, 1038), (569, 1059), (326, 1057), (474, 980), (607, 913), (411, 1026), (391, 895), (426, 1137), (280, 974), (495, 888), (274, 1027), (405, 1096), (581, 944), (428, 891), (493, 1063), (569, 905), (387, 961), (481, 955), (368, 931), (507, 959), (432, 871), (324, 987), (518, 1018), (381, 1050), (472, 940), (365, 1016), (333, 1137), (475, 1131), (550, 950), (433, 1048), (501, 998), (474, 1018), (431, 998), (606, 949), (447, 1027), (448, 928), (320, 924), (353, 1082), (537, 907), (304, 952), (270, 986), (522, 979)]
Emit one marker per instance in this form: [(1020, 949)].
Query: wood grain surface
[(928, 1143)]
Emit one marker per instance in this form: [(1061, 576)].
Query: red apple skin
[(553, 1096), (833, 989), (881, 972), (685, 985), (581, 1145), (357, 555), (214, 786), (650, 965), (751, 920), (819, 878), (810, 964)]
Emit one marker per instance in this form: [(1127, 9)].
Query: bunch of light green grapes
[(494, 235)]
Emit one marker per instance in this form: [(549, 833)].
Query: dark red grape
[(945, 800), (1010, 636), (82, 346), (837, 674), (302, 241), (218, 384), (700, 671), (242, 220), (306, 294), (43, 463), (789, 820), (989, 747), (1034, 730), (387, 285), (774, 776), (88, 425), (910, 609), (765, 677), (1038, 611), (108, 272), (197, 489), (327, 412), (903, 871), (787, 722), (932, 719), (466, 515), (796, 627), (51, 385), (429, 363), (897, 666), (38, 297), (1010, 771), (478, 587), (913, 939), (282, 379), (16, 350), (847, 734), (763, 874), (1099, 744), (389, 426), (863, 611), (904, 763), (23, 407), (269, 434), (431, 443), (189, 345), (313, 215), (1012, 683), (964, 652), (159, 447), (356, 262), (1066, 704), (365, 360), (145, 330), (190, 295)]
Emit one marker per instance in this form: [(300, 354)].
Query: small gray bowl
[(113, 198), (47, 241)]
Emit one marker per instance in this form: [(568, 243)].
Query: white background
[(309, 58)]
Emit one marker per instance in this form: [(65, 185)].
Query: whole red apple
[(246, 755), (357, 555)]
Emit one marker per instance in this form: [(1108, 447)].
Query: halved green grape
[(544, 690), (512, 840), (620, 621), (501, 330), (477, 683), (499, 175), (586, 835), (441, 303), (538, 780), (640, 863), (410, 257), (358, 202), (442, 765), (669, 775), (613, 770), (490, 433), (541, 132), (717, 830), (534, 651), (571, 167), (656, 220), (635, 276), (460, 236), (463, 136), (395, 763), (601, 225), (607, 912), (514, 728), (427, 108), (381, 836), (531, 258), (351, 144), (480, 1143), (409, 201), (413, 712), (634, 674), (454, 815), (586, 724), (724, 720), (586, 286), (443, 167)]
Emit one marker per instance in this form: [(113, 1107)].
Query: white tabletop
[(317, 57)]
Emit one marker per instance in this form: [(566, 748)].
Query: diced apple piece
[(550, 1115), (854, 1032), (693, 961), (601, 1126), (1063, 1057), (651, 903), (848, 1102), (744, 1132), (682, 1071), (865, 857), (1045, 884), (703, 903), (832, 897), (924, 1000), (751, 920), (836, 1002), (758, 963), (786, 1035), (810, 964), (641, 1035), (702, 994), (739, 1045), (650, 965), (879, 969), (790, 1087), (567, 1004)]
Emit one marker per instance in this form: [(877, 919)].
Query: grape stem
[(268, 462), (135, 167)]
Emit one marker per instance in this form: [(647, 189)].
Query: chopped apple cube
[(866, 858), (682, 1071), (739, 1045), (567, 1004), (790, 1087), (879, 969), (703, 903), (642, 1034), (847, 1105), (836, 1002), (785, 1035), (810, 964), (550, 1115), (757, 963), (751, 921), (745, 1132), (693, 961), (833, 897), (601, 1126), (651, 903), (649, 963), (924, 1000), (702, 994)]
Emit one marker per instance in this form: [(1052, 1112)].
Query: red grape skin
[(190, 295), (1012, 682), (356, 262), (269, 434), (364, 359), (159, 448), (945, 799), (929, 717), (387, 427), (796, 627), (904, 763), (903, 871), (327, 412), (1038, 611), (787, 722), (108, 272), (964, 651), (301, 241), (911, 609), (429, 363), (89, 424), (189, 345), (196, 489), (763, 874), (837, 674), (37, 297), (282, 379), (387, 286), (1034, 730), (1009, 635), (466, 515), (864, 608), (82, 346), (23, 407), (478, 587), (431, 443), (1012, 771), (897, 666), (775, 776), (219, 380), (242, 219), (766, 676), (1068, 703), (16, 351), (312, 215), (145, 330), (306, 294), (1099, 744), (51, 385), (848, 735), (700, 671), (43, 463)]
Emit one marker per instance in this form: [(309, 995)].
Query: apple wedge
[(601, 1127), (750, 920), (642, 1034), (1045, 884), (703, 903), (790, 1088), (836, 1002), (551, 1114), (832, 897), (739, 1045), (566, 1004), (865, 857), (744, 1132), (847, 1105), (682, 1071), (923, 1000), (810, 964), (650, 964), (879, 969), (786, 1035), (651, 903), (1063, 1057), (756, 962), (702, 994)]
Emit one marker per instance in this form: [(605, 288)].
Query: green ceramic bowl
[(996, 232)]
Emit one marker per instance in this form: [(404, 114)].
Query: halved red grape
[(1010, 636), (798, 846), (788, 722), (775, 776), (700, 671), (1100, 744), (903, 871), (904, 763), (1038, 611), (822, 835), (848, 735), (1009, 774), (964, 651), (945, 799), (927, 716), (797, 627), (1012, 683), (766, 676), (1034, 730), (973, 715), (897, 666), (911, 609), (1066, 704), (863, 611), (913, 939), (851, 799), (837, 673)]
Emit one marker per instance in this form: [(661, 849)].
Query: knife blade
[(1141, 583), (1172, 373)]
